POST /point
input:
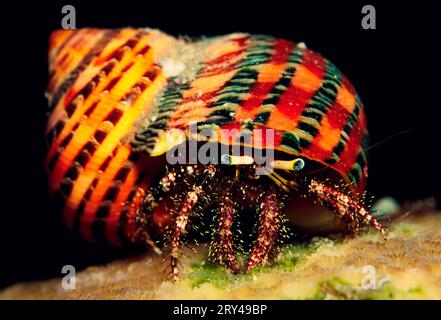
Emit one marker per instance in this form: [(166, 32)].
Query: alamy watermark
[(69, 21), (370, 281), (68, 282), (368, 22)]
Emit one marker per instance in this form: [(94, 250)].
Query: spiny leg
[(142, 235), (178, 226), (143, 216), (344, 205), (221, 248), (145, 237), (268, 225)]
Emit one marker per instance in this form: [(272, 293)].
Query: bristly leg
[(142, 220), (268, 225), (221, 247), (144, 215), (145, 237), (344, 205), (178, 226)]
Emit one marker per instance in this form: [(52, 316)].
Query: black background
[(395, 69)]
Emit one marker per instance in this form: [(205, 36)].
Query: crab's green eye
[(291, 165), (298, 164)]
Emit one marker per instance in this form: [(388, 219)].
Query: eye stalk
[(236, 160), (290, 165)]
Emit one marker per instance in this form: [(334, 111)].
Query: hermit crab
[(132, 110)]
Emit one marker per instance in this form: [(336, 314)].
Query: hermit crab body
[(122, 101)]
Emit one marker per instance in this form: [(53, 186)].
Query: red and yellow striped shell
[(114, 95)]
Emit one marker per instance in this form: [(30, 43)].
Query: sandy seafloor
[(407, 266)]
